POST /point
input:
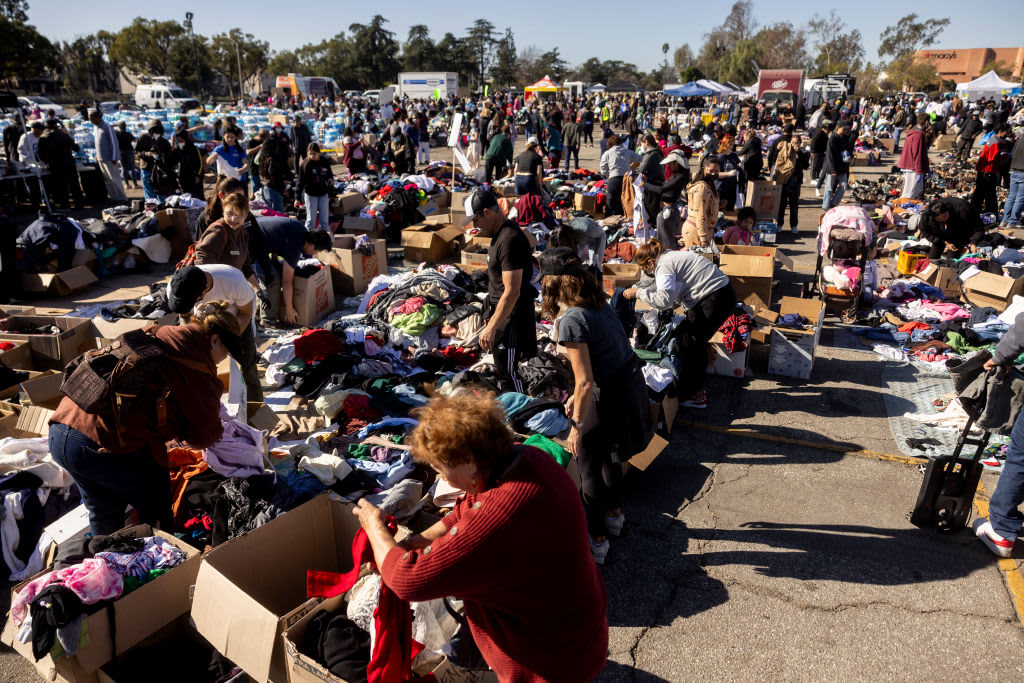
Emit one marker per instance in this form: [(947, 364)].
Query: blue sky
[(595, 28)]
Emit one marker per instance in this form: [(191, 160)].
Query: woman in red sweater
[(514, 549)]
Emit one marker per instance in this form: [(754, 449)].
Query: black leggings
[(614, 192), (600, 478), (693, 334)]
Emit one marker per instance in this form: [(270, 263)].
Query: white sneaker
[(599, 550), (999, 546), (817, 192), (614, 524)]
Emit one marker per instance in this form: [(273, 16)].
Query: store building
[(965, 65)]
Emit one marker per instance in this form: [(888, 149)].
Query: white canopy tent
[(988, 85), (715, 86)]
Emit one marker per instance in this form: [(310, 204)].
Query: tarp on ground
[(690, 89), (988, 85)]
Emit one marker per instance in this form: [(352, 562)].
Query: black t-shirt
[(510, 250), (315, 175), (284, 237), (603, 334), (529, 161)]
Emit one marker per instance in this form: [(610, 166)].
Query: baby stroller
[(846, 236)]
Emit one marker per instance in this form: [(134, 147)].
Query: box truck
[(783, 85), (420, 85)]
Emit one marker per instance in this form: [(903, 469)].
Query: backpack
[(112, 381)]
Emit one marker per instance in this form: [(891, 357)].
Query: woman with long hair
[(702, 204), (234, 162)]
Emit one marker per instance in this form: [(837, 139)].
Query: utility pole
[(195, 54), (238, 56)]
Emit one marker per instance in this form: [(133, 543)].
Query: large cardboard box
[(432, 243), (588, 203), (313, 297), (750, 270), (727, 364), (764, 197), (943, 143), (358, 225), (180, 237), (253, 588), (58, 284), (51, 351), (19, 357), (619, 275), (8, 310), (136, 615), (792, 352), (988, 289), (457, 207), (106, 329), (347, 202), (475, 253), (944, 278), (352, 271)]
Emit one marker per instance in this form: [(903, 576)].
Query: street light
[(195, 54), (238, 55)]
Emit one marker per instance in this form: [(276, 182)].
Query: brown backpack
[(112, 381)]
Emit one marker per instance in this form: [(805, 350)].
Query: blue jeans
[(1004, 507), (147, 188), (273, 198), (572, 151), (1014, 206), (314, 206), (254, 183), (835, 188), (527, 185), (897, 133), (109, 482)]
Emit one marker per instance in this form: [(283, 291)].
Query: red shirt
[(988, 160), (518, 555)]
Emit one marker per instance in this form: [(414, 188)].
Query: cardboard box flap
[(643, 460), (620, 270), (450, 233), (991, 284), (417, 236), (747, 266), (76, 278), (43, 390), (743, 250)]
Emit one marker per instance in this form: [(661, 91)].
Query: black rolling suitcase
[(950, 482)]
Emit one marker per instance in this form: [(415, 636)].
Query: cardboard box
[(988, 289), (136, 615), (110, 330), (253, 588), (181, 634), (764, 197), (58, 284), (588, 203), (724, 363), (9, 310), (443, 198), (347, 202), (477, 257), (431, 243), (358, 225), (619, 275), (352, 271), (943, 143), (888, 144), (457, 207), (18, 358), (52, 351), (750, 270), (313, 297), (180, 237), (860, 159), (42, 390), (792, 352), (944, 278)]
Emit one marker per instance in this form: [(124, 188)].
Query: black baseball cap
[(187, 285), (478, 202)]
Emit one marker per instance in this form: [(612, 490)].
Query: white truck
[(420, 85), (162, 93)]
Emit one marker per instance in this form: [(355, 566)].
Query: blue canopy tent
[(690, 89)]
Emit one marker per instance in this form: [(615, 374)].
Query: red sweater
[(915, 152), (518, 556)]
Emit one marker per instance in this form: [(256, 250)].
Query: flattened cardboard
[(111, 330), (136, 615), (313, 297), (18, 358), (643, 459), (58, 284), (989, 289), (352, 271), (253, 588), (52, 351)]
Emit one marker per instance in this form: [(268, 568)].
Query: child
[(739, 232)]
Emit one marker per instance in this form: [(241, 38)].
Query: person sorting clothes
[(115, 468), (610, 418), (192, 286), (950, 224), (511, 332), (287, 241), (683, 278), (519, 523)]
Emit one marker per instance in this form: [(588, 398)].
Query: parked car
[(113, 107), (37, 101), (371, 95), (350, 94)]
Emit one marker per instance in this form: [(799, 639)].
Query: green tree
[(284, 62), (145, 46), (682, 59), (838, 49), (419, 50), (909, 34), (26, 52), (454, 54), (235, 50), (722, 40), (481, 39), (506, 63), (905, 72), (738, 65), (181, 64), (782, 46), (1002, 69), (84, 66), (691, 73), (371, 58)]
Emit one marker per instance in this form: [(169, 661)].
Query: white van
[(164, 95)]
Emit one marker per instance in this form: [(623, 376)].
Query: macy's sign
[(940, 55)]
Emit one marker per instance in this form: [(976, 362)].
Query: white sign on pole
[(456, 129), (463, 159)]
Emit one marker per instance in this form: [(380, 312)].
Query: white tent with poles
[(987, 85)]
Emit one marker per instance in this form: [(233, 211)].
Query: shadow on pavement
[(615, 672)]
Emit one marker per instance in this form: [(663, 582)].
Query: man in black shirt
[(511, 332)]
